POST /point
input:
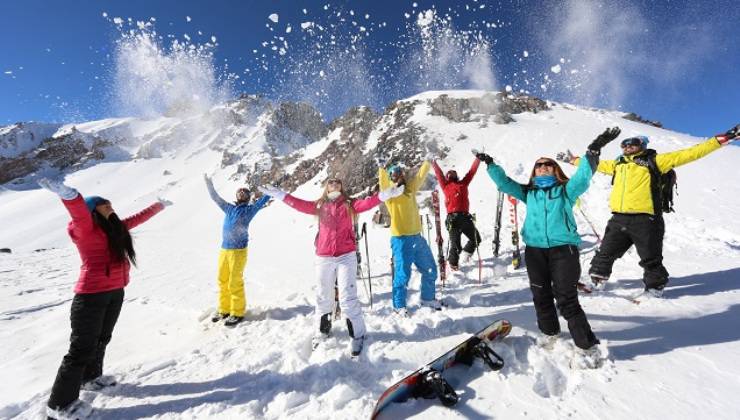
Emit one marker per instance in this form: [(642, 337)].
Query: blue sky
[(675, 62)]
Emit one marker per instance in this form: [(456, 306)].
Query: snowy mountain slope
[(173, 364)]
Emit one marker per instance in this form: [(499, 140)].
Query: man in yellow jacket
[(407, 244), (637, 217)]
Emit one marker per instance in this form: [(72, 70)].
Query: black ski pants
[(646, 232), (93, 317), (553, 278), (457, 225)]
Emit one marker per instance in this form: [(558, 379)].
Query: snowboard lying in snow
[(428, 382)]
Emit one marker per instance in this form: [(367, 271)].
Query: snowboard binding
[(489, 357), (479, 349), (433, 385)]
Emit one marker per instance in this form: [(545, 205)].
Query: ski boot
[(76, 410), (233, 320), (218, 316)]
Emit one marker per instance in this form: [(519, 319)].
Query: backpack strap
[(656, 188)]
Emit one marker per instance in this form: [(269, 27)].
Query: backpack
[(661, 185)]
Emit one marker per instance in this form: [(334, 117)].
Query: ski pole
[(359, 274), (591, 225), (367, 261)]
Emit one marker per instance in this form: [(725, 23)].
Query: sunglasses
[(546, 163), (334, 182)]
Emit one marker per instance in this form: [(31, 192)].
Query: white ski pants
[(343, 269)]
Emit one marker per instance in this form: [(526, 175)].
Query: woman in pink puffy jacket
[(335, 251)]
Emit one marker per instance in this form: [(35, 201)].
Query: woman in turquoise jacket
[(552, 239)]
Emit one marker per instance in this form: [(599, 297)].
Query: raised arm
[(414, 183), (438, 173), (384, 180), (668, 161), (303, 206), (81, 215), (471, 173), (220, 202), (142, 216), (506, 184), (261, 202), (365, 204), (579, 182), (589, 163), (73, 202)]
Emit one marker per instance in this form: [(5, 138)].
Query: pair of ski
[(516, 257), (429, 382), (593, 289)]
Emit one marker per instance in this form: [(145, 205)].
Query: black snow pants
[(93, 317), (457, 225), (646, 232), (553, 277)]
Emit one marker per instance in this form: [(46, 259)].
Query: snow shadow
[(279, 314), (703, 284), (655, 336), (240, 388)]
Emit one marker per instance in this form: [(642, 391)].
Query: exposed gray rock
[(499, 106), (634, 117)]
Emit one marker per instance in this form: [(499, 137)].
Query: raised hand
[(603, 139), (484, 158), (565, 156), (391, 192), (729, 136), (64, 192), (273, 192)]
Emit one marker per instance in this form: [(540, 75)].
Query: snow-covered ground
[(670, 358)]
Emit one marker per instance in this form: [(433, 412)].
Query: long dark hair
[(120, 244)]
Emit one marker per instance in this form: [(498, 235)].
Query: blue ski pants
[(407, 250)]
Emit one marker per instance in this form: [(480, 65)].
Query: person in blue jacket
[(551, 237), (233, 256)]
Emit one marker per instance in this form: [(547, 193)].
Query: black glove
[(603, 139), (484, 158), (730, 135)]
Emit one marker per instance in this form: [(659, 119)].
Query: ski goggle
[(640, 141), (334, 181)]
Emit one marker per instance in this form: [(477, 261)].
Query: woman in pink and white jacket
[(335, 251)]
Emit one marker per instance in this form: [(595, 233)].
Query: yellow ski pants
[(231, 263)]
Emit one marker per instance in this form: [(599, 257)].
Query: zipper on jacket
[(624, 186), (544, 205)]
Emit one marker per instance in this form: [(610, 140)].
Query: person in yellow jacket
[(407, 244), (637, 217)]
